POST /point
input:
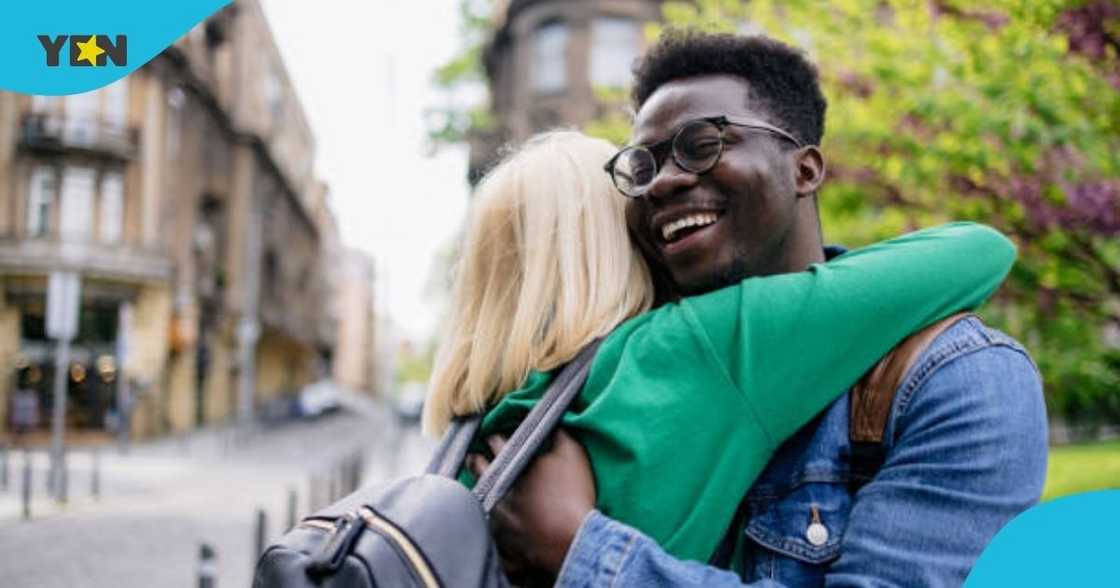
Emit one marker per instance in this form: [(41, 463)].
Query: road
[(162, 500)]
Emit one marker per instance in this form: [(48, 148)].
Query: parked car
[(410, 403), (317, 398)]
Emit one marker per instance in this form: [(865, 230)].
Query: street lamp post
[(58, 414), (124, 402), (63, 294)]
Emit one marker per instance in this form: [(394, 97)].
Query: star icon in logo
[(89, 51)]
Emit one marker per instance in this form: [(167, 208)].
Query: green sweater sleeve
[(793, 343)]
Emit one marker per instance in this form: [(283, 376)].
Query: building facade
[(356, 350), (184, 196), (551, 63)]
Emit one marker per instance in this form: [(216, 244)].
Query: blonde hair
[(546, 267)]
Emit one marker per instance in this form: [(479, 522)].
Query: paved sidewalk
[(162, 500)]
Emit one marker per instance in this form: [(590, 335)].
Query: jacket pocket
[(805, 524)]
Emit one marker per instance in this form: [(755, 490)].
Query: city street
[(162, 500)]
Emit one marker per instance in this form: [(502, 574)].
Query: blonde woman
[(716, 381)]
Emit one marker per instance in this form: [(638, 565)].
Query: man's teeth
[(669, 230)]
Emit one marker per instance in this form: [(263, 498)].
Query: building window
[(33, 320), (116, 104), (615, 45), (81, 118), (274, 95), (175, 100), (111, 222), (271, 274), (41, 195), (550, 58), (45, 104), (77, 203)]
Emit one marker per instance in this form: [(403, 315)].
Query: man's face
[(750, 192)]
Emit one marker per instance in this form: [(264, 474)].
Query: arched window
[(111, 220), (76, 223), (615, 44), (116, 105), (550, 58), (41, 197), (81, 117)]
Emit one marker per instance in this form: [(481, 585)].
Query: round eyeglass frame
[(720, 122)]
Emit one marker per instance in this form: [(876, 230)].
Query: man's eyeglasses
[(696, 147)]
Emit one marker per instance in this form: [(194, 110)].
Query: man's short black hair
[(781, 79)]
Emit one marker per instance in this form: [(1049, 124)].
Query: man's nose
[(670, 181)]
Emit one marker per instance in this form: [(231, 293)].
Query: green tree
[(415, 366), (452, 122), (1003, 111)]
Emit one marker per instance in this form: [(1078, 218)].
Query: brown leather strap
[(873, 395)]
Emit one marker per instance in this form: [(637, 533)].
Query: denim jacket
[(966, 452)]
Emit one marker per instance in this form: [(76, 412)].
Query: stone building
[(348, 282), (184, 196), (356, 349), (549, 62)]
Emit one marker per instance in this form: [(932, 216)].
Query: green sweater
[(685, 405)]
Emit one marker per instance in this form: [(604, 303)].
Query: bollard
[(64, 478), (50, 477), (207, 566), (262, 523), (26, 485), (292, 498), (4, 467), (95, 475), (360, 468)]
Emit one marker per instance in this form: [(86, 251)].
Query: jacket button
[(817, 534)]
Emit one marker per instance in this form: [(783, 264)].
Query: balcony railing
[(55, 132), (120, 261)]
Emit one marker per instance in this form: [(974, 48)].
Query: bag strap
[(872, 396), (537, 426), (452, 449)]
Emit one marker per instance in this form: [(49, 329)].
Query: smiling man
[(722, 175), (717, 197)]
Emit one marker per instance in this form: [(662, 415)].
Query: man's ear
[(809, 170)]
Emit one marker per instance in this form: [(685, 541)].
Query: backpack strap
[(448, 456), (538, 425), (447, 459), (872, 396)]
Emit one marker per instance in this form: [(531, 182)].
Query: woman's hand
[(536, 522)]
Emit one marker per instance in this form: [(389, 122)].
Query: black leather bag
[(427, 530)]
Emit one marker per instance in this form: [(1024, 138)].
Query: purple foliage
[(1088, 29), (990, 18), (1095, 204), (1092, 206)]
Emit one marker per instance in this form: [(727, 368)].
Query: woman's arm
[(797, 341)]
